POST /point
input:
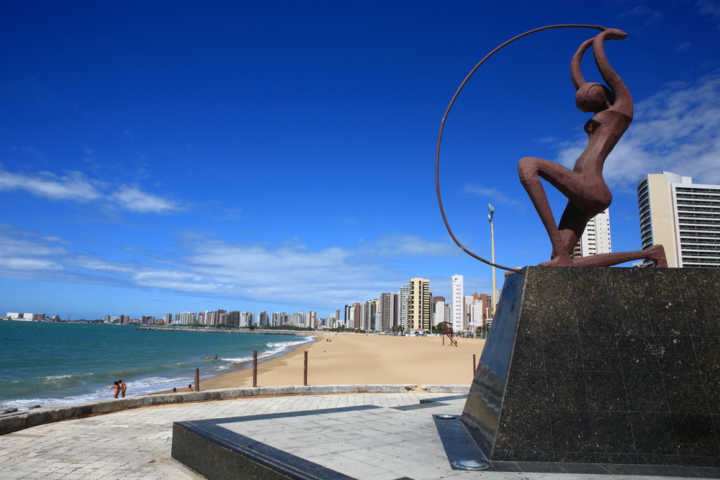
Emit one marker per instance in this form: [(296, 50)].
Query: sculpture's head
[(593, 97)]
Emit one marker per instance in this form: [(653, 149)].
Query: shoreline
[(335, 358), (351, 358), (244, 366), (72, 386)]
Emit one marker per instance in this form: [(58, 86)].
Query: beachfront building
[(595, 238), (403, 298), (396, 311), (458, 307), (347, 322), (263, 319), (371, 319), (387, 309), (356, 316), (279, 319), (230, 319), (297, 319), (213, 318), (476, 316), (247, 319), (467, 306), (312, 319), (419, 307), (438, 313), (183, 318), (683, 217)]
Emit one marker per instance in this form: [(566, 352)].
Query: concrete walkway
[(135, 444)]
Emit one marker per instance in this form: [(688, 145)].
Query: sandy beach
[(361, 359)]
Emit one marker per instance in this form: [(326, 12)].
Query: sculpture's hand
[(614, 34)]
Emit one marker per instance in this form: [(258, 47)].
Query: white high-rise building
[(596, 237), (683, 217), (438, 313), (456, 288), (403, 298)]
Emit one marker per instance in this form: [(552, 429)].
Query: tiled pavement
[(135, 444)]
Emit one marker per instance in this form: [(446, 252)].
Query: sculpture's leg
[(572, 225), (655, 253), (570, 184)]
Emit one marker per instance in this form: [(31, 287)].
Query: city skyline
[(163, 159)]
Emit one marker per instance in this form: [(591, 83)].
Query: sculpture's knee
[(527, 169)]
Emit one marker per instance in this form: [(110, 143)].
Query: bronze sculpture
[(584, 186)]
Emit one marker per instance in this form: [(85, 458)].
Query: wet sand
[(362, 359)]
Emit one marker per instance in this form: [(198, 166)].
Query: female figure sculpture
[(584, 185)]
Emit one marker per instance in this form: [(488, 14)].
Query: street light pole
[(491, 214)]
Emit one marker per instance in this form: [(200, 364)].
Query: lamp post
[(491, 214)]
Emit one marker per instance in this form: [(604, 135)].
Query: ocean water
[(55, 364)]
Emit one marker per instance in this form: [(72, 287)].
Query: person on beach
[(190, 389), (215, 357), (123, 388), (116, 388)]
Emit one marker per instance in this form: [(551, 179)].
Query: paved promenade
[(135, 444)]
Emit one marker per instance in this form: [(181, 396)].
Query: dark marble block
[(602, 365)]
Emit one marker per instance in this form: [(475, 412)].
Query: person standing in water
[(584, 185), (123, 388), (116, 389)]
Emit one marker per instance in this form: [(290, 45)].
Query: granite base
[(601, 365)]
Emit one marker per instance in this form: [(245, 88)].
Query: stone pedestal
[(601, 365)]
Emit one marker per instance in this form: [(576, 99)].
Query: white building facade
[(596, 236), (682, 216), (457, 309)]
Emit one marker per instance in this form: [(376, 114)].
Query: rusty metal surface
[(584, 186)]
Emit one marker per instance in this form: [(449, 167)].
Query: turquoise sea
[(55, 363)]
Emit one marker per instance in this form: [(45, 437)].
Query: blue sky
[(173, 157)]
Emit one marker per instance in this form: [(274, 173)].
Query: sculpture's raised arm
[(575, 72), (623, 100)]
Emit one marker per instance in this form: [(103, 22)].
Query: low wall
[(18, 421)]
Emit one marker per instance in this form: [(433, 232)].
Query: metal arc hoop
[(447, 112)]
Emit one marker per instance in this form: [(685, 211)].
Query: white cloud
[(77, 187), (21, 252), (174, 280), (25, 264), (90, 263), (677, 130), (708, 7), (411, 245), (647, 14), (683, 47), (134, 199), (291, 274), (490, 193), (16, 246), (72, 187)]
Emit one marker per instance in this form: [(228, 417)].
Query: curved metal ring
[(447, 111)]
